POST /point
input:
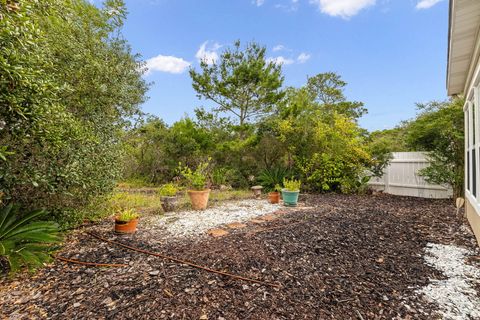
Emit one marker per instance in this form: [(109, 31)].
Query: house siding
[(473, 218)]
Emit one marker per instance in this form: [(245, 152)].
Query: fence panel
[(401, 178)]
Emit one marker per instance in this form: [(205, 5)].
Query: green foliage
[(196, 179), (439, 130), (270, 178), (128, 215), (291, 184), (168, 190), (225, 176), (312, 133), (327, 149), (25, 241), (68, 86), (327, 90), (242, 82)]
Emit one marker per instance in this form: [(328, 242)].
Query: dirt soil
[(345, 257)]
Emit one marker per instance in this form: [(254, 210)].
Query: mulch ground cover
[(345, 257)]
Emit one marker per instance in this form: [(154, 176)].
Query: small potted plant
[(290, 192), (168, 197), (126, 221), (274, 196), (197, 181)]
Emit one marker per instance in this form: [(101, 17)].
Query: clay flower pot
[(274, 197), (199, 199), (257, 191), (126, 226), (168, 203), (290, 198)]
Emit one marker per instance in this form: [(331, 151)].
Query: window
[(472, 145)]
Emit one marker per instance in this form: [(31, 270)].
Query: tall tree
[(327, 90), (241, 82)]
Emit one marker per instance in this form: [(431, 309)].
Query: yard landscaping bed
[(338, 257)]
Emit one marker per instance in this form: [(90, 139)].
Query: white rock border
[(455, 295)]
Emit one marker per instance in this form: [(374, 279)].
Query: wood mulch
[(343, 257)]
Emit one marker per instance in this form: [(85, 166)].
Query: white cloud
[(168, 64), (208, 54), (303, 57), (258, 3), (425, 4), (343, 8), (279, 47), (280, 60)]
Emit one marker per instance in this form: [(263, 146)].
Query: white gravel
[(455, 296), (191, 223)]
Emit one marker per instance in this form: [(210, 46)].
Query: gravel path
[(192, 223)]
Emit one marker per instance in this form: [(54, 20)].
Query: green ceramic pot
[(290, 198)]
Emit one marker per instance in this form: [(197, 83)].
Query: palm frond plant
[(25, 241), (269, 178)]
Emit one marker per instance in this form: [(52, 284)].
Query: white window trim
[(472, 105)]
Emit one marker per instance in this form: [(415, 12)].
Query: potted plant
[(197, 180), (168, 197), (290, 192), (126, 221), (274, 196)]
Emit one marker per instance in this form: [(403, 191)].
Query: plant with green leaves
[(168, 190), (128, 215), (69, 85), (439, 130), (25, 241), (270, 178), (242, 82), (292, 185), (196, 179)]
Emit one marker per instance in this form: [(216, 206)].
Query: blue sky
[(392, 53)]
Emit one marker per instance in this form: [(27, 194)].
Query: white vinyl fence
[(401, 178)]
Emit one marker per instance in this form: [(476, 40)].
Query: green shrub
[(196, 179), (270, 178), (128, 215), (25, 242), (69, 85), (292, 185), (168, 190)]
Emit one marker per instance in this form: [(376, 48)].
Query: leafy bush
[(292, 184), (168, 190), (269, 178), (196, 179), (24, 241), (69, 84), (128, 215)]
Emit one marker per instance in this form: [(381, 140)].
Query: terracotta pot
[(168, 203), (126, 227), (274, 197), (199, 199)]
